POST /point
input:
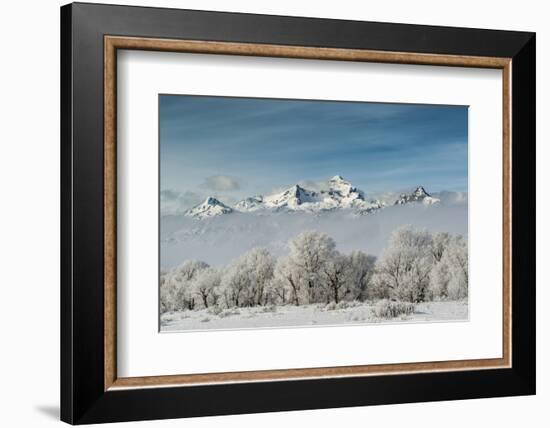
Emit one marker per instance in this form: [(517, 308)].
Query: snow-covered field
[(306, 315)]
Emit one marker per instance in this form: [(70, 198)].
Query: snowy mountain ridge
[(211, 207), (419, 195), (338, 194)]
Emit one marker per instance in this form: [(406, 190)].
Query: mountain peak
[(212, 201), (343, 188), (211, 207), (418, 195), (290, 198), (252, 203), (337, 193), (301, 193), (420, 191)]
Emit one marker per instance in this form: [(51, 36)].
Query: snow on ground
[(306, 315)]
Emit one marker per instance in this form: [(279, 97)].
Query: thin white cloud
[(173, 202), (221, 183)]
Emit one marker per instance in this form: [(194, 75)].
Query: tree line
[(415, 266)]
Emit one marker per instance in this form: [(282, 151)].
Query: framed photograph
[(265, 213)]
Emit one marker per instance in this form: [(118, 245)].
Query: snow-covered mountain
[(250, 204), (292, 198), (211, 207), (337, 193), (419, 195)]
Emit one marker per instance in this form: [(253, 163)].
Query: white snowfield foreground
[(345, 313)]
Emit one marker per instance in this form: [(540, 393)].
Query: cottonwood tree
[(166, 294), (404, 267), (288, 278), (361, 266), (260, 265), (440, 242), (277, 290), (449, 277), (235, 281), (337, 274), (205, 285), (245, 280), (440, 277), (309, 253), (414, 266), (175, 292), (458, 258)]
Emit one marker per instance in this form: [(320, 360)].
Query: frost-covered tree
[(415, 266), (235, 281), (245, 280), (287, 281), (403, 269), (277, 290), (439, 281), (261, 266), (440, 242), (361, 268), (309, 253), (337, 275), (449, 277), (313, 271), (166, 293), (175, 286), (205, 285)]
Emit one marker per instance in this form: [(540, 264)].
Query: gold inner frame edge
[(113, 43)]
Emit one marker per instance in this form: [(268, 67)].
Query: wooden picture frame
[(91, 390)]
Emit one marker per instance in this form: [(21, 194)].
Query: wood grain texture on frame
[(110, 207), (112, 43)]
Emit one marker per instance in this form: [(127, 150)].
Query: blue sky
[(237, 147)]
